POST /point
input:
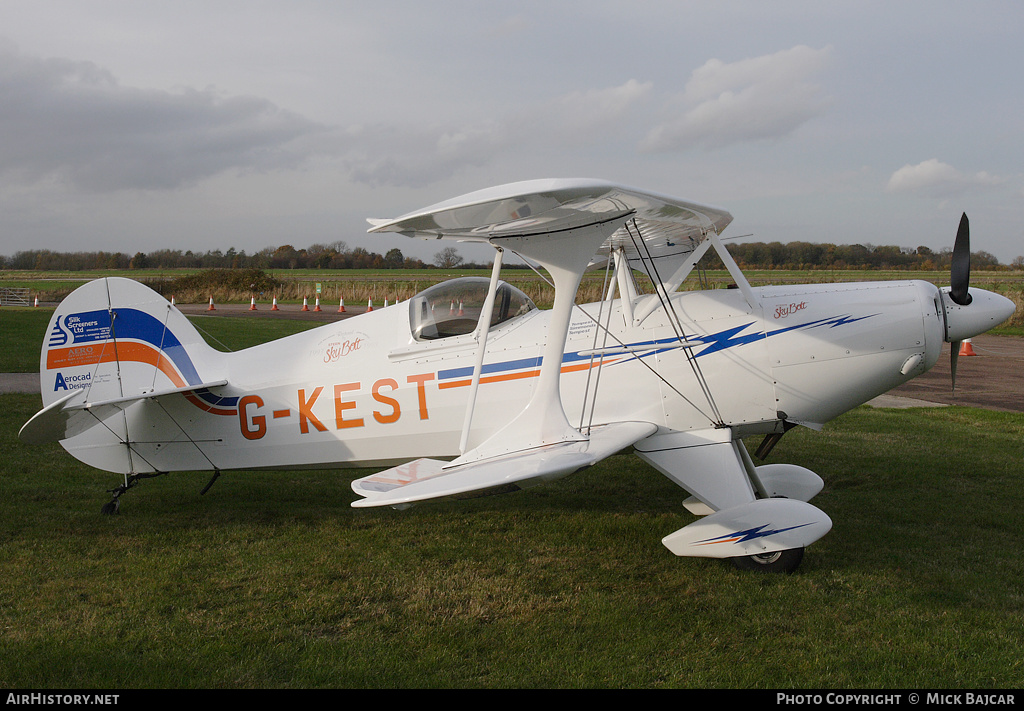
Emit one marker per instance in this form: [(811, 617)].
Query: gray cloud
[(74, 120), (933, 178), (415, 155), (760, 98)]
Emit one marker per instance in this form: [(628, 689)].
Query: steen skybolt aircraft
[(469, 389)]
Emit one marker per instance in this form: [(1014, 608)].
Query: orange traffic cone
[(341, 306), (305, 304), (966, 349), (252, 303), (274, 307), (317, 304), (211, 305), (369, 304)]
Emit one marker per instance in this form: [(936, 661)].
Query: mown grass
[(271, 579)]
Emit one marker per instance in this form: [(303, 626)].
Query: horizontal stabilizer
[(755, 528), (53, 422), (72, 414), (425, 479)]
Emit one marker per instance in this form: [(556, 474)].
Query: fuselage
[(363, 392)]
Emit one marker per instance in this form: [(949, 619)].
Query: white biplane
[(469, 389)]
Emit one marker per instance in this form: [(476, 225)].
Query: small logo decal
[(789, 309)]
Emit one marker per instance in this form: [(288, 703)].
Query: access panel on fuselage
[(835, 346)]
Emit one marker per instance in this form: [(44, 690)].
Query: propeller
[(960, 272), (959, 281)]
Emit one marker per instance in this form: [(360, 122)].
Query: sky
[(136, 126)]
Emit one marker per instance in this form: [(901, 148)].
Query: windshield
[(453, 308)]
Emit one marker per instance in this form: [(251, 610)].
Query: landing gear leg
[(111, 507), (777, 562)]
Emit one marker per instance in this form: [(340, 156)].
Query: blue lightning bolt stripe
[(701, 346), (734, 337), (749, 534)]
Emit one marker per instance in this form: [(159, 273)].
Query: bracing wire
[(619, 342), (651, 268), (605, 294)]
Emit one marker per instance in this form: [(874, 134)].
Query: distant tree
[(285, 257), (448, 258), (983, 260), (360, 258)]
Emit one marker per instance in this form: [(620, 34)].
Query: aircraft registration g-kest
[(470, 389)]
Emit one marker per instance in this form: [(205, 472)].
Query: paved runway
[(993, 379), (19, 383)]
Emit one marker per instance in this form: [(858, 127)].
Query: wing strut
[(626, 285), (608, 291), (677, 325), (543, 420), (482, 327)]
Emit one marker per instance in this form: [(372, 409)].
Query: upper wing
[(659, 226)]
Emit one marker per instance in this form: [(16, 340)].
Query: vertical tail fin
[(109, 344), (116, 338)]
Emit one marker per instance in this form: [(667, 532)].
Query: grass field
[(271, 579)]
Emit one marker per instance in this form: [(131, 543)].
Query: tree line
[(809, 255), (318, 256), (338, 255)]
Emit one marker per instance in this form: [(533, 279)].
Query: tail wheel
[(776, 562)]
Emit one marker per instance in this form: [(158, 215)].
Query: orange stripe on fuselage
[(517, 376), (490, 379), (212, 409)]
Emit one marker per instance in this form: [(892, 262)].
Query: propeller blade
[(953, 353), (960, 272)]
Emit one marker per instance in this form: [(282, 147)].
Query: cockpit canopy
[(452, 308)]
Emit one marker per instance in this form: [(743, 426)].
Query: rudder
[(117, 338), (110, 344)]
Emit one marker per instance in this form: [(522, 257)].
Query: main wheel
[(777, 562)]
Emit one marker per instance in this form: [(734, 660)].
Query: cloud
[(415, 155), (597, 108), (74, 123), (73, 119), (934, 178), (754, 99)]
